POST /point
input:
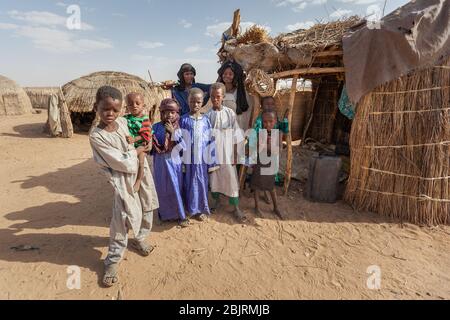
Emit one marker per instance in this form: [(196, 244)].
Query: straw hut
[(40, 96), (314, 54), (13, 99), (80, 94), (400, 139)]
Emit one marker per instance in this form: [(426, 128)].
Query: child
[(119, 160), (197, 166), (140, 129), (268, 103), (167, 163), (224, 180), (264, 180)]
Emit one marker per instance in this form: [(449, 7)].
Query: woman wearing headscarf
[(232, 76), (167, 166), (186, 81)]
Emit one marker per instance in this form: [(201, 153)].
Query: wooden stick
[(236, 23), (306, 71), (328, 53), (66, 122), (287, 178)]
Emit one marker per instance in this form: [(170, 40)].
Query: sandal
[(110, 275), (184, 223), (240, 215), (142, 247)]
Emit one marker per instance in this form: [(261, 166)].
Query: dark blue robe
[(182, 96), (168, 175), (198, 157)]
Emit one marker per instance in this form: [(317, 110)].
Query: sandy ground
[(53, 198)]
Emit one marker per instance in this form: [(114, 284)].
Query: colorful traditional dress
[(167, 168), (139, 126), (199, 159)]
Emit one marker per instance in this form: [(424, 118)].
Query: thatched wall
[(39, 96), (400, 149), (13, 99), (80, 93)]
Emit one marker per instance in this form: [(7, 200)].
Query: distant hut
[(40, 96), (13, 99), (80, 95)]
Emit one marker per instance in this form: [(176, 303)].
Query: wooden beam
[(306, 71), (236, 23), (328, 53), (287, 177)]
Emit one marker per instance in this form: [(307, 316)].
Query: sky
[(49, 42)]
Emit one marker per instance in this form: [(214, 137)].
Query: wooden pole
[(287, 178), (66, 122), (236, 23), (307, 71)]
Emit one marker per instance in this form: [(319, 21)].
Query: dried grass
[(254, 35), (318, 37), (13, 99), (400, 143)]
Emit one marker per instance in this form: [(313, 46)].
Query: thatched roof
[(320, 45), (80, 93), (39, 96), (13, 99)]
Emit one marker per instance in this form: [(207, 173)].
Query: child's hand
[(130, 139), (169, 127)]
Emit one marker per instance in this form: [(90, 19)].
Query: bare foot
[(240, 215), (202, 217), (216, 205), (266, 197), (278, 213), (258, 212)]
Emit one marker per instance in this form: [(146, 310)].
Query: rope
[(409, 145), (405, 175), (422, 197), (410, 91), (260, 82), (407, 111)]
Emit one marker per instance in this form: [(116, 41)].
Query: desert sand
[(54, 199)]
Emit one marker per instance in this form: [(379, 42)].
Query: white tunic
[(243, 119), (226, 133), (119, 161)]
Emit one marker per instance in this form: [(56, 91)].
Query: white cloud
[(300, 7), (192, 49), (339, 13), (216, 30), (319, 1), (359, 2), (48, 31), (288, 2), (44, 18), (8, 26), (185, 24), (59, 41), (150, 45), (118, 15), (141, 57), (300, 25)]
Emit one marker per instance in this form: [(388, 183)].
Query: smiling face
[(188, 77), (135, 104), (228, 76), (195, 102), (217, 98), (108, 110)]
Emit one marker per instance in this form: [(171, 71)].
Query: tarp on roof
[(414, 36)]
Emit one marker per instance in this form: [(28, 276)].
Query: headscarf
[(185, 67), (167, 104), (238, 82)]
